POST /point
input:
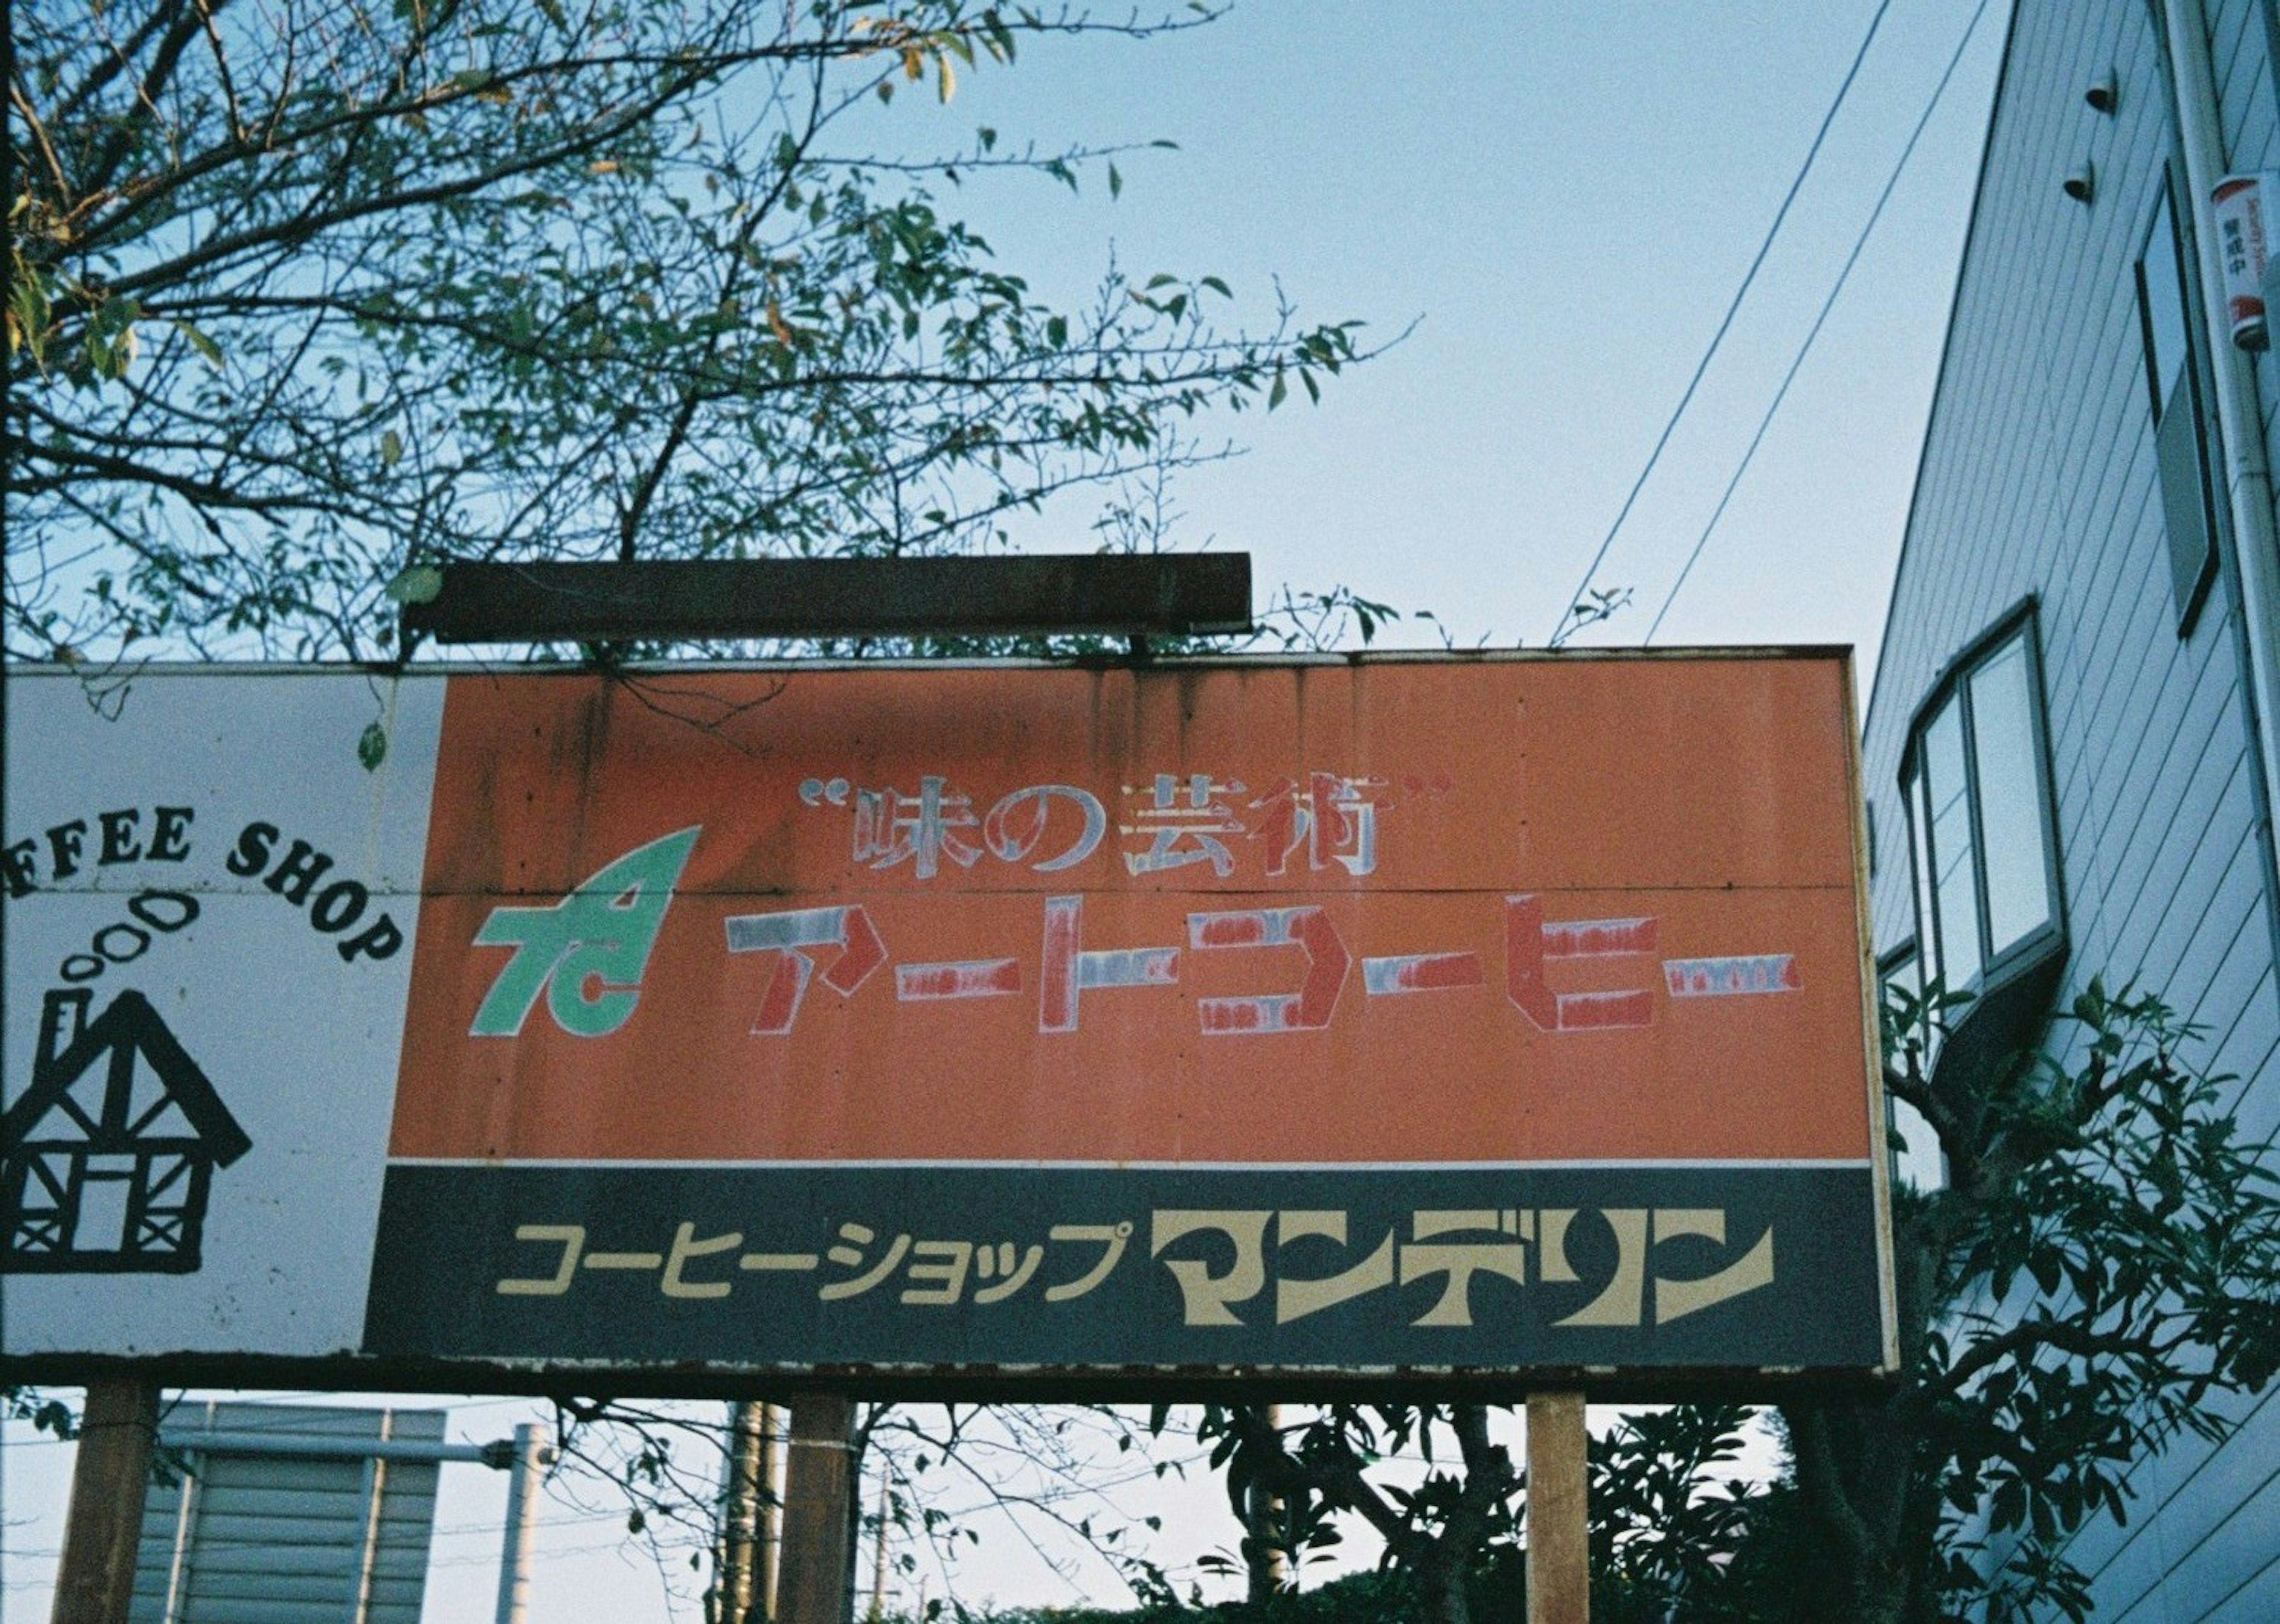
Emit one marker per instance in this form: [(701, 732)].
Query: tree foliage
[(2101, 1267), (1445, 1535), (1386, 1596), (935, 1486), (302, 295), (2103, 1261)]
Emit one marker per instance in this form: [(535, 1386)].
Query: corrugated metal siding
[(2038, 477), (275, 1541)]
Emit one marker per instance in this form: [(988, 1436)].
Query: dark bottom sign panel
[(969, 1270)]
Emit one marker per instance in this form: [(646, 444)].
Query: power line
[(1719, 337), (1852, 260)]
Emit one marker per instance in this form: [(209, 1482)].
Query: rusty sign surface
[(1473, 1016)]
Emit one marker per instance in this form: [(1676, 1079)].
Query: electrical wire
[(1892, 180), (1719, 337)]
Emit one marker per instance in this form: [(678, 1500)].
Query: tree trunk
[(1856, 1482), (1441, 1587)]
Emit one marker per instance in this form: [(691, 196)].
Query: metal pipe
[(2248, 479), (529, 1459), (375, 1490), (178, 1565), (499, 1455)]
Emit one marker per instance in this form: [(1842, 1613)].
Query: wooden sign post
[(1559, 1545), (819, 1481), (97, 1577)]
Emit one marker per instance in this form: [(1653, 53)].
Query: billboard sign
[(1485, 1016)]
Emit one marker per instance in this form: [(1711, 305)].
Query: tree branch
[(179, 32)]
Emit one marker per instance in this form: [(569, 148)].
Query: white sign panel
[(157, 1061)]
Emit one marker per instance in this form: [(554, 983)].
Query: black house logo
[(105, 1159)]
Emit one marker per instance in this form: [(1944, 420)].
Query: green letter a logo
[(601, 933)]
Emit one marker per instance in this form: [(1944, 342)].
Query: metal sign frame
[(1433, 1023)]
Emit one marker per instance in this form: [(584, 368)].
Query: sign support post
[(818, 1510), (1558, 1544), (97, 1578)]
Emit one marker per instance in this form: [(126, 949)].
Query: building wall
[(2038, 477)]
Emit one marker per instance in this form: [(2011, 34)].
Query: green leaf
[(419, 584), (29, 318), (1115, 182), (199, 341), (391, 448), (372, 746)]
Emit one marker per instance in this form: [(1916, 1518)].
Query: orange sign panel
[(1442, 912)]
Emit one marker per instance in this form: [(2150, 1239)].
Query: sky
[(1556, 203), (1563, 199)]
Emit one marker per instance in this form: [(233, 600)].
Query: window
[(2175, 385), (1978, 796), (1975, 779)]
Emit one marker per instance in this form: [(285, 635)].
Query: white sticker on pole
[(2242, 207)]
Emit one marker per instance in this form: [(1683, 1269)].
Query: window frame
[(2041, 944), (2193, 560)]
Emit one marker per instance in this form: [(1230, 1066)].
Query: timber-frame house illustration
[(106, 1159)]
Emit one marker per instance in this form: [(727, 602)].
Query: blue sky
[(1564, 197)]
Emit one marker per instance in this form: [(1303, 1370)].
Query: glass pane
[(1904, 975), (2011, 822), (1917, 1160), (1925, 966), (1905, 972), (1927, 930), (2165, 306), (1955, 881)]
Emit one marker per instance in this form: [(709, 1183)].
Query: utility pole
[(748, 1545), (526, 1470), (879, 1555), (768, 1542)]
